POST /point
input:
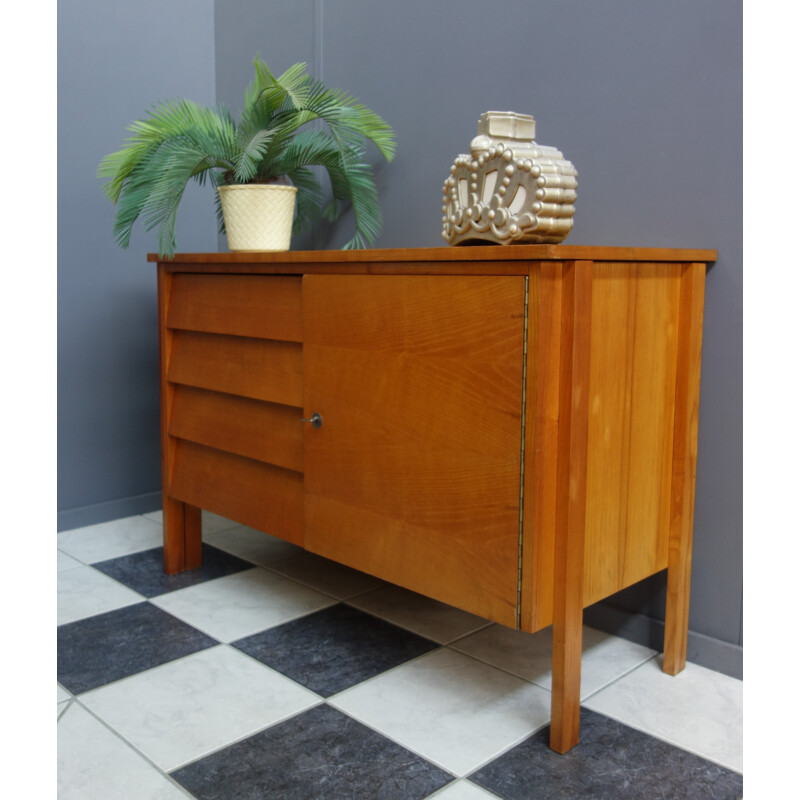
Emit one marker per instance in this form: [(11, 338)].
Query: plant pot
[(258, 216)]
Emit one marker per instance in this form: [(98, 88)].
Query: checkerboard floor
[(273, 673)]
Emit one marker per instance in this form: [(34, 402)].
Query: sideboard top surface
[(511, 257)]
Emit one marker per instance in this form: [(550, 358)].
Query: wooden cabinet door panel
[(414, 475)]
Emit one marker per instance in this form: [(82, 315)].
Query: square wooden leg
[(182, 536), (571, 511), (676, 618), (684, 466), (565, 703)]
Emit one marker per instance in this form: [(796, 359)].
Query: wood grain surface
[(256, 368), (247, 306), (415, 361), (414, 474), (264, 431), (632, 390), (684, 467), (431, 255), (249, 492), (571, 492), (541, 444), (182, 526)]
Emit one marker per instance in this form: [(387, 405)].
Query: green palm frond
[(350, 122), (177, 142), (309, 198), (182, 141), (252, 154), (292, 84), (351, 181)]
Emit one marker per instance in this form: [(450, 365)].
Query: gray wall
[(645, 98), (116, 59)]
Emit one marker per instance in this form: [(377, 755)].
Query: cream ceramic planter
[(258, 216)]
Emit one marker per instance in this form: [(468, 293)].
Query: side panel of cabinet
[(635, 322), (633, 363), (414, 475)]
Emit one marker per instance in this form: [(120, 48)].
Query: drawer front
[(261, 307), (235, 394), (266, 432), (250, 492), (258, 368)]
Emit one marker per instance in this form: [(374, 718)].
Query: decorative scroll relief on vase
[(509, 189)]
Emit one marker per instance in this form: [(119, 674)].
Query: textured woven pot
[(258, 216)]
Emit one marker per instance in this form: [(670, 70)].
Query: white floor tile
[(62, 707), (63, 694), (190, 707), (66, 562), (94, 763), (698, 709), (449, 708), (419, 614), (243, 603), (110, 539), (326, 575), (250, 544), (84, 591), (463, 790), (605, 657), (214, 522)]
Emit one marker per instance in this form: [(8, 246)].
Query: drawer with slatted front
[(234, 370)]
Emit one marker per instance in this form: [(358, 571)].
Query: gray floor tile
[(334, 649), (612, 762), (144, 572), (104, 648), (321, 753)]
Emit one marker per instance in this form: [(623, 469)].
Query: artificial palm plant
[(182, 140)]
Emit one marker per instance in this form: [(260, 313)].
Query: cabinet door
[(414, 474)]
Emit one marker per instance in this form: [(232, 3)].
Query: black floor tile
[(144, 571), (320, 753), (334, 649), (612, 762), (98, 650)]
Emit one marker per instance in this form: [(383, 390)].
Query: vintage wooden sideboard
[(510, 430)]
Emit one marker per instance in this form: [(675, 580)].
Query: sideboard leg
[(182, 536), (571, 506), (684, 467), (565, 702)]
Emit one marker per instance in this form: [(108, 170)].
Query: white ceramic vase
[(258, 216), (508, 189)]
